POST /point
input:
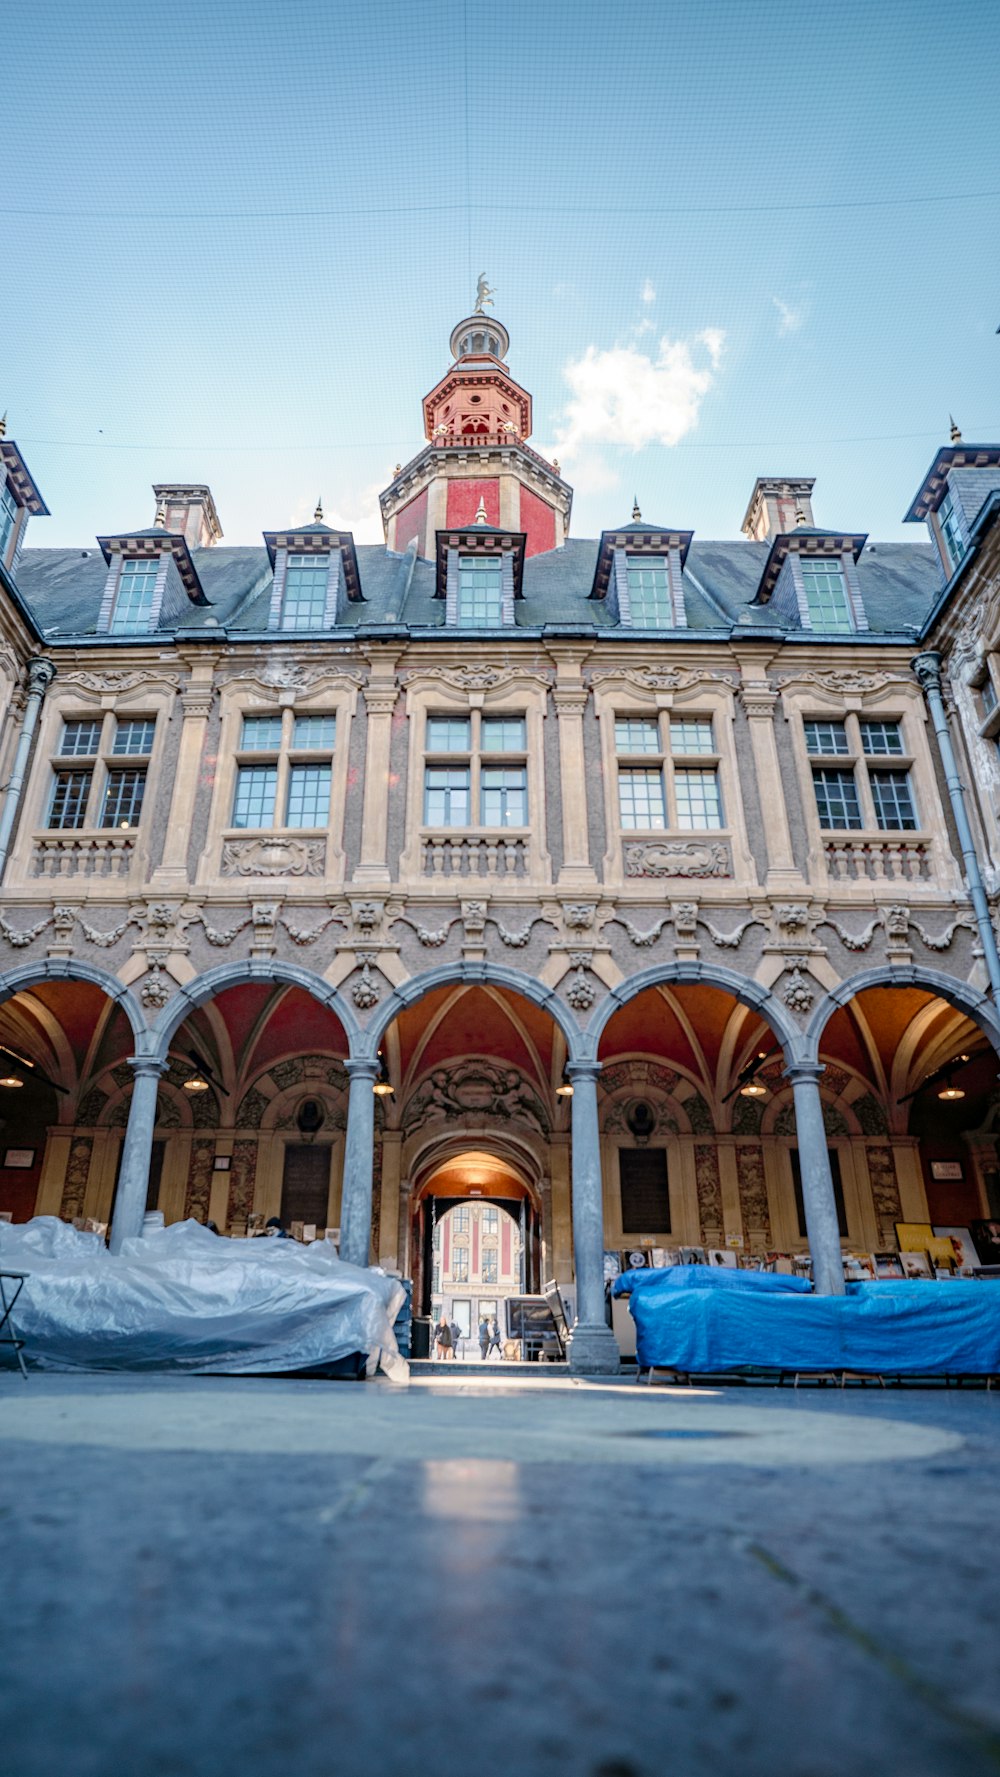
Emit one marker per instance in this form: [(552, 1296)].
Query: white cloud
[(648, 293), (624, 396), (790, 319), (361, 514)]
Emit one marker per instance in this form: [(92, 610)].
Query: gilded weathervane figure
[(484, 295)]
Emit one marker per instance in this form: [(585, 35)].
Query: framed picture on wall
[(947, 1169), (966, 1255), (19, 1159)]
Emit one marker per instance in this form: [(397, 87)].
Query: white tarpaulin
[(182, 1298)]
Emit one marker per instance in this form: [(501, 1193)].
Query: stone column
[(359, 1160), (592, 1347), (172, 869), (817, 1181), (381, 693), (137, 1148), (40, 676), (570, 696), (759, 700)]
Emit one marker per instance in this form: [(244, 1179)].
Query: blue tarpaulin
[(692, 1319)]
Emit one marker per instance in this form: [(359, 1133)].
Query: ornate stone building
[(488, 812)]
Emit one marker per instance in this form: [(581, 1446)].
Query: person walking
[(494, 1338), (456, 1339), (442, 1338), (484, 1337)]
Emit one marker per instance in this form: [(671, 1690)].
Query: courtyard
[(253, 1577)]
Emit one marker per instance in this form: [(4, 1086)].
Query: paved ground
[(222, 1578)]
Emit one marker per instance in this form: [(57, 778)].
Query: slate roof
[(63, 587)]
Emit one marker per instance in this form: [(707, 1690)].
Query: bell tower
[(477, 421)]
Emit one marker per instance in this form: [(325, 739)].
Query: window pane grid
[(691, 735), (640, 796), (133, 738), (253, 805), (80, 740), (636, 735), (449, 734), (446, 796), (893, 800), (123, 798), (503, 734), (8, 515), (698, 803), (69, 799), (837, 799), (134, 599), (649, 598), (308, 796), (261, 734), (314, 731), (881, 738), (480, 591), (489, 1273), (503, 797), (826, 596), (304, 603), (824, 738)]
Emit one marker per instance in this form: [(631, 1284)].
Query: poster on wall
[(966, 1255), (986, 1240), (19, 1159)]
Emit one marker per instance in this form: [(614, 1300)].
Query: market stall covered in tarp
[(707, 1322), (183, 1299)]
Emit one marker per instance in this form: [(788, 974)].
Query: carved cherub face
[(511, 1079)]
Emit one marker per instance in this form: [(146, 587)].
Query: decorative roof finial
[(800, 517), (398, 469), (484, 295), (3, 424), (160, 521), (555, 465), (318, 514), (636, 514), (956, 436), (481, 517)]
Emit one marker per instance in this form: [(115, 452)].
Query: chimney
[(190, 513), (777, 505)]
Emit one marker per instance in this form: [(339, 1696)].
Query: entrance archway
[(475, 1228), (476, 1112)]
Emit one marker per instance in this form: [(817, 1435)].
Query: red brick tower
[(476, 422)]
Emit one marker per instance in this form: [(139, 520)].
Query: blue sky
[(727, 240)]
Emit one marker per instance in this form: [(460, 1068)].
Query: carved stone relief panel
[(753, 1197)]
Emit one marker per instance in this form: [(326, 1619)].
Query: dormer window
[(826, 598), (307, 580), (951, 534), (649, 594), (480, 591), (136, 595), (8, 519)]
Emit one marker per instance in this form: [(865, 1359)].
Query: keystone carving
[(797, 994), (366, 991), (155, 990), (676, 858)]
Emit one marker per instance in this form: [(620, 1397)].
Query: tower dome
[(479, 336)]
